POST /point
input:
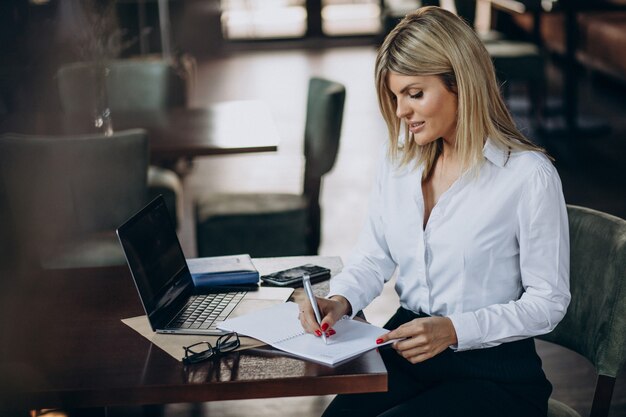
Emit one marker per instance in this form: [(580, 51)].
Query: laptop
[(166, 289)]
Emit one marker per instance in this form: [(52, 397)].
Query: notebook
[(223, 270), (171, 301), (279, 327)]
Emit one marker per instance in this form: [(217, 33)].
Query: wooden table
[(223, 128), (71, 350)]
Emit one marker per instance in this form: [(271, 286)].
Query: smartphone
[(292, 277)]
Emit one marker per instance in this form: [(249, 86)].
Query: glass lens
[(228, 342), (198, 352), (199, 357), (198, 348)]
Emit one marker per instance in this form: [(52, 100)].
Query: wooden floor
[(591, 170)]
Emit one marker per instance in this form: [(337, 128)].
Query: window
[(263, 19), (280, 19), (346, 17)]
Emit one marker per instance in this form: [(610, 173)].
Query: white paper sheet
[(279, 326)]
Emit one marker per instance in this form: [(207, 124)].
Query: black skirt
[(506, 380)]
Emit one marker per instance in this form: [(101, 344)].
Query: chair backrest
[(56, 188), (595, 323), (131, 85), (324, 116)]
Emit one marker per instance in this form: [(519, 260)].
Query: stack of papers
[(280, 327), (222, 270)]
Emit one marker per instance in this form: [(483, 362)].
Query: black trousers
[(506, 380)]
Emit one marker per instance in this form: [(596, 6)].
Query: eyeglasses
[(202, 351)]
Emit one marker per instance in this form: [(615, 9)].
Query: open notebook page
[(279, 326)]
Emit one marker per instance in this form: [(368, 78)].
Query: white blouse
[(494, 256)]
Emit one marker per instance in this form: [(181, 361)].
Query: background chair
[(131, 85), (278, 224), (63, 197), (595, 323), (514, 61)]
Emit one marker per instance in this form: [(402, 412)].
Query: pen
[(306, 283)]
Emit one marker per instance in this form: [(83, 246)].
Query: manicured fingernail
[(331, 332), (324, 327), (379, 341), (317, 332)]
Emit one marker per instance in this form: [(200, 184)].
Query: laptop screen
[(155, 259)]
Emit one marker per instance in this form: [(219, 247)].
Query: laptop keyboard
[(207, 311)]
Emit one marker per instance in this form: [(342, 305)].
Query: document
[(279, 327), (222, 270)]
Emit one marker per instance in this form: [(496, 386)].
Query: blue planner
[(222, 271)]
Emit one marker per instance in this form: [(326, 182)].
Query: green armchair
[(63, 197), (132, 85), (274, 224), (595, 323)]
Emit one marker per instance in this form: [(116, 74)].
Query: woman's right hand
[(331, 309)]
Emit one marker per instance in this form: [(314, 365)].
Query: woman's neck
[(447, 165), (449, 154)]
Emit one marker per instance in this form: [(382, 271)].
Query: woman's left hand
[(423, 338)]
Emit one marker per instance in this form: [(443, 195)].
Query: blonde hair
[(433, 41)]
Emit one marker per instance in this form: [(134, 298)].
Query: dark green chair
[(278, 224), (595, 323), (63, 197), (131, 85)]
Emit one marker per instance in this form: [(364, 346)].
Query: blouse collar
[(494, 154)]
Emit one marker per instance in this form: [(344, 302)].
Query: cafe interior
[(258, 122)]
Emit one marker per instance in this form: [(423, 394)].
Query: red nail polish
[(317, 332), (324, 326), (379, 341), (331, 332)]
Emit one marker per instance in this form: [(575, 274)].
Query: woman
[(472, 216)]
